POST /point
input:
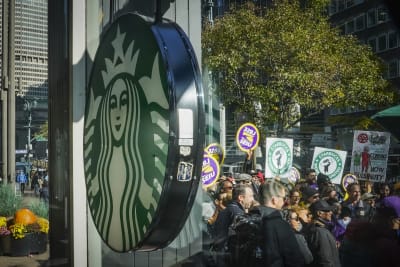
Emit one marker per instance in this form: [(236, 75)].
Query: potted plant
[(28, 234)]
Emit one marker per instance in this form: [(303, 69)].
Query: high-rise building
[(30, 72), (31, 48)]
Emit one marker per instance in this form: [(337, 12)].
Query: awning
[(390, 120)]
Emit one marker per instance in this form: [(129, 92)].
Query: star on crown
[(122, 62)]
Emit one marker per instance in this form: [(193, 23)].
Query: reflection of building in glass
[(30, 64), (31, 48)]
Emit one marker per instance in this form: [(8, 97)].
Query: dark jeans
[(22, 186)]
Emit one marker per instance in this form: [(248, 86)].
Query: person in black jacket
[(280, 247), (320, 240), (242, 199)]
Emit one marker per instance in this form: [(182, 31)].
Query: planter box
[(32, 243)]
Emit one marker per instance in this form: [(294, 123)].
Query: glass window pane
[(371, 17), (382, 42), (360, 23), (393, 69), (350, 26), (382, 14), (392, 40)]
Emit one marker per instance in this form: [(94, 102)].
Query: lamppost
[(28, 105)]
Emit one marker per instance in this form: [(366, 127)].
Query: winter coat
[(280, 246), (224, 220), (322, 244)]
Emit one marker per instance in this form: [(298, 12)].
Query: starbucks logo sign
[(279, 157), (132, 106), (328, 163)]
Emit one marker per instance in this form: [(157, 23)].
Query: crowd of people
[(310, 223)]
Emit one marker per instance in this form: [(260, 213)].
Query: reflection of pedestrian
[(35, 183), (44, 192), (365, 160), (21, 179)]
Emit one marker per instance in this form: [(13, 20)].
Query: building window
[(350, 26), (392, 40), (360, 23), (382, 42), (382, 14), (393, 69), (372, 43), (371, 17)]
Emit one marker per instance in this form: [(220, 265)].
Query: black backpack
[(244, 245)]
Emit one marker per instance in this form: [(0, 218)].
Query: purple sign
[(216, 151), (210, 171), (348, 179), (247, 137)]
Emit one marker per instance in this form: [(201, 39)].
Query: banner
[(329, 162), (279, 157), (370, 155)]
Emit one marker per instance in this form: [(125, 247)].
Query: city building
[(31, 59)]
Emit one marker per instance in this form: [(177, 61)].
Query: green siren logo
[(328, 163), (126, 134), (279, 157)]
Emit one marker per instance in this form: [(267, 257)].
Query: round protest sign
[(216, 151), (348, 179), (294, 175), (210, 171), (247, 137)]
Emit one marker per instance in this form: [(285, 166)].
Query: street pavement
[(34, 260)]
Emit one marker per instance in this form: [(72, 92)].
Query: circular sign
[(279, 157), (247, 137), (348, 179), (143, 136), (294, 175), (210, 171), (328, 163), (362, 138), (216, 151)]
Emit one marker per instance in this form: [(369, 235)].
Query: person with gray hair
[(279, 245)]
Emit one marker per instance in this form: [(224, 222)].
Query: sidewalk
[(35, 260)]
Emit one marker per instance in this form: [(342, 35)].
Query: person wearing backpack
[(279, 244), (242, 199)]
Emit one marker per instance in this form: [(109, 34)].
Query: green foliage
[(9, 202), (43, 130), (290, 57), (40, 209)]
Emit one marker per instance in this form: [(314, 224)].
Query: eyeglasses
[(295, 219)]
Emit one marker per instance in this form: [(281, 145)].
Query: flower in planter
[(44, 225), (18, 230), (4, 231), (3, 222)]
